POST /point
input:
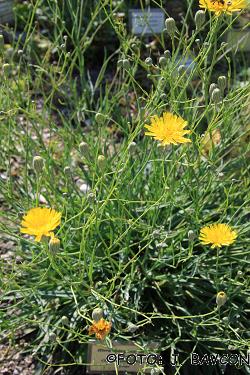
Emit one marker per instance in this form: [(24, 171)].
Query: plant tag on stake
[(125, 357), (146, 22)]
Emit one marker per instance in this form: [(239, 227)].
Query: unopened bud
[(200, 18), (99, 117), (126, 64), (163, 97), (38, 164), (162, 60), (54, 245), (181, 69), (216, 96), (191, 235), (120, 63), (6, 68), (65, 320), (148, 61), (222, 83), (97, 314), (170, 26), (101, 161), (91, 197), (132, 147), (211, 88), (84, 148), (20, 52), (221, 299), (167, 54)]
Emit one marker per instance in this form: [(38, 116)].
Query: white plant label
[(146, 22)]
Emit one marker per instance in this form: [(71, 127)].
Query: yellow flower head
[(40, 221), (101, 329), (223, 6), (169, 129), (217, 235)]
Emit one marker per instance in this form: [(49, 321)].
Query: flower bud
[(101, 161), (38, 164), (91, 197), (84, 148), (120, 63), (216, 96), (148, 61), (54, 245), (167, 54), (199, 19), (162, 60), (191, 235), (125, 64), (163, 97), (211, 88), (6, 68), (132, 147), (99, 117), (170, 26), (20, 52), (65, 320), (221, 299), (181, 70), (222, 83), (97, 314)]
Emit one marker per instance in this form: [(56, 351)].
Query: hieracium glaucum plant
[(124, 186)]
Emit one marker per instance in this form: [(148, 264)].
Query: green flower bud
[(101, 161), (148, 61), (222, 83), (163, 97), (84, 148), (100, 118), (221, 299), (181, 70), (216, 96), (162, 60), (65, 320), (170, 26), (120, 63), (132, 147), (167, 54), (6, 68), (211, 88), (97, 314), (200, 18), (126, 64), (54, 245), (38, 164)]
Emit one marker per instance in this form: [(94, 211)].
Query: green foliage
[(124, 233)]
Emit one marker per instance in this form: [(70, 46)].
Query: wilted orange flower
[(223, 6), (101, 329), (217, 235), (40, 221), (169, 129)]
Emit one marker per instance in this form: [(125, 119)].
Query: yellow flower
[(223, 6), (40, 221), (218, 235), (101, 329), (169, 129)]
